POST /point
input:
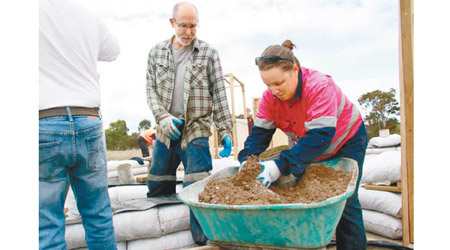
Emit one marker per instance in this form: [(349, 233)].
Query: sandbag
[(388, 141), (137, 225), (381, 201), (174, 218), (371, 151), (71, 204), (178, 240), (383, 168), (75, 236), (126, 198), (118, 193), (120, 246), (125, 193), (135, 170), (127, 226), (382, 224)]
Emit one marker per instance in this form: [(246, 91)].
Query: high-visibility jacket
[(318, 120), (147, 135)]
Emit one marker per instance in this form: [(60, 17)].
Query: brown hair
[(283, 50)]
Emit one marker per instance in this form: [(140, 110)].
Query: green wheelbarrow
[(294, 225)]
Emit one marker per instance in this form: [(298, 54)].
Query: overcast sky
[(356, 42)]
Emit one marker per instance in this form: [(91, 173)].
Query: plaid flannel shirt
[(204, 91)]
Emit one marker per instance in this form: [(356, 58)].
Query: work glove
[(242, 164), (226, 142), (169, 126), (269, 174)]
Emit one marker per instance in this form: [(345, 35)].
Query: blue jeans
[(350, 233), (197, 162), (72, 151)]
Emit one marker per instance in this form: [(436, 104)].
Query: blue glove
[(169, 126), (269, 174), (226, 147)]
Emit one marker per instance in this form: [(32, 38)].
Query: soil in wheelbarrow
[(317, 184)]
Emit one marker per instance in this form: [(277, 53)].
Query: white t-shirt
[(71, 41)]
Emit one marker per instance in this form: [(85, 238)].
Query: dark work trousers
[(350, 233), (197, 162), (144, 147)]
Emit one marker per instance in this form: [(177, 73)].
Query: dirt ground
[(317, 184), (119, 155)]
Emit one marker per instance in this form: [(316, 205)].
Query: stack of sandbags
[(378, 144), (382, 167), (382, 212), (160, 227)]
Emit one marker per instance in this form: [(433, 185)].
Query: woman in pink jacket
[(321, 123)]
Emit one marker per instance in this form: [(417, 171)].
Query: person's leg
[(54, 143), (350, 233), (88, 179), (161, 178), (197, 162), (143, 146)]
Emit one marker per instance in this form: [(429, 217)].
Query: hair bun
[(288, 44)]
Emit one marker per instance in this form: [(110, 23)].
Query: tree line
[(380, 107), (117, 137)]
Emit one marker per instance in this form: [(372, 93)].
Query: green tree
[(116, 135), (132, 141), (144, 125), (382, 110)]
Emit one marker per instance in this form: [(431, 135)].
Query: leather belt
[(73, 110)]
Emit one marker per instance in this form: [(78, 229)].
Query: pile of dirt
[(317, 184), (240, 189)]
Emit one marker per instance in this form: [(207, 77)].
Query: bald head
[(184, 8)]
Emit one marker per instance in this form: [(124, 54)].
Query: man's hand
[(169, 126), (269, 174), (226, 142)]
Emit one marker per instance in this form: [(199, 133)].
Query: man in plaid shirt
[(185, 89)]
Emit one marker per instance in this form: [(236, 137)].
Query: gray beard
[(183, 43)]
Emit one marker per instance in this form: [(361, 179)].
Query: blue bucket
[(283, 225)]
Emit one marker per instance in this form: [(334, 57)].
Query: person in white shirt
[(71, 141)]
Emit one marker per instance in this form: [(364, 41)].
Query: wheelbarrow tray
[(282, 225)]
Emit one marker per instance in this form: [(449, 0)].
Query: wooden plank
[(207, 247), (255, 104), (406, 57), (384, 188), (216, 143), (141, 178), (233, 115)]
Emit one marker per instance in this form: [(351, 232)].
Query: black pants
[(144, 147)]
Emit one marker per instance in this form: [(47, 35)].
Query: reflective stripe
[(151, 177), (341, 106), (264, 123), (321, 122), (354, 118), (195, 177)]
